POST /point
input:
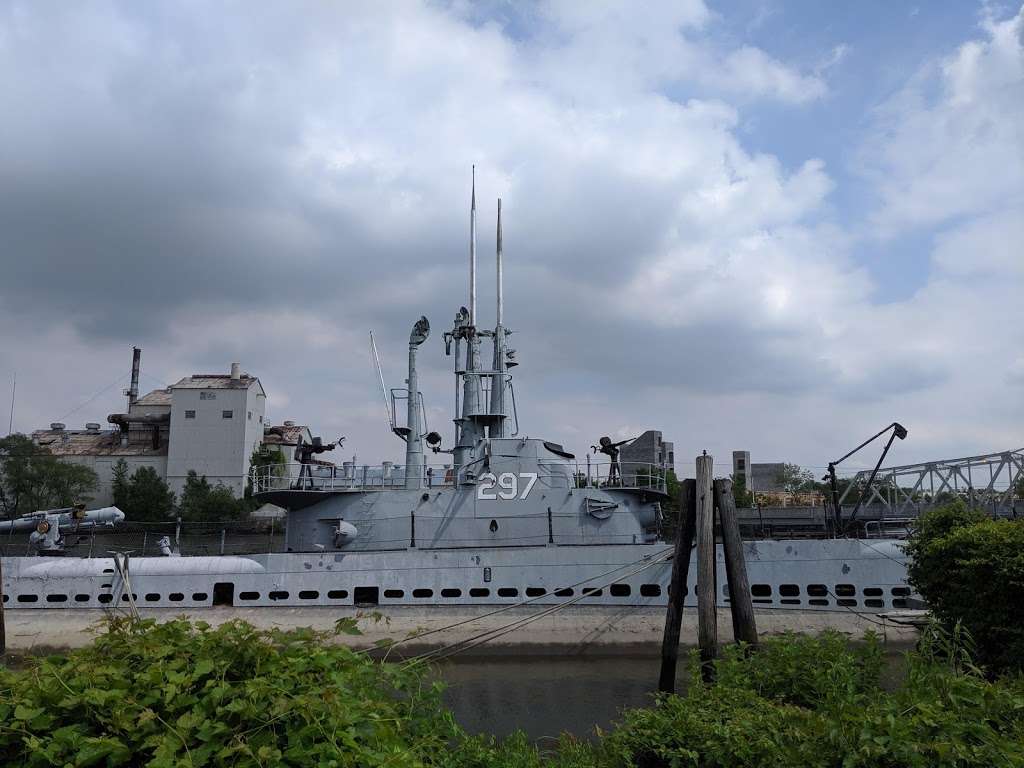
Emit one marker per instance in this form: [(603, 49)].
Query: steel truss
[(912, 487)]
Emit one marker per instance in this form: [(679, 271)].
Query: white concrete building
[(216, 423)]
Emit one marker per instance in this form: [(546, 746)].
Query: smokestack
[(133, 390), (236, 371), (472, 254)]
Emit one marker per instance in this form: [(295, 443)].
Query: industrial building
[(206, 423), (649, 448), (762, 477)]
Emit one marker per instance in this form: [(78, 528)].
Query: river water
[(546, 696)]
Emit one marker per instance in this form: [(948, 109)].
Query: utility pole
[(14, 390)]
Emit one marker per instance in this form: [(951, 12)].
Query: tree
[(144, 497), (119, 485), (33, 479), (201, 502), (740, 494), (793, 479)]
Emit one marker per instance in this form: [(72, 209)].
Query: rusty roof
[(105, 443), (215, 381), (156, 397), (282, 434)]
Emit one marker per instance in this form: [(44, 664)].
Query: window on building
[(250, 416), (190, 414), (741, 464), (227, 414)]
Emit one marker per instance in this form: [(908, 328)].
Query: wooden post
[(743, 625), (3, 628), (707, 615), (685, 529)]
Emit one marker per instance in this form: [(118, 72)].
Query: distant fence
[(223, 538)]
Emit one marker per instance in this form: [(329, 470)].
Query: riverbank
[(572, 631)]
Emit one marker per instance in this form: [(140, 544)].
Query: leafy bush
[(180, 694), (970, 569)]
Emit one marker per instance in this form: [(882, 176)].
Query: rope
[(519, 603), (472, 642)]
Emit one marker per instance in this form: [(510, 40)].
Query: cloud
[(262, 184)]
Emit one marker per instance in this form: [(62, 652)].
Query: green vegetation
[(181, 694), (970, 570), (33, 479), (202, 502), (143, 497), (740, 494), (792, 478)]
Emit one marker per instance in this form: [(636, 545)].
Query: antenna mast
[(383, 389), (472, 254)]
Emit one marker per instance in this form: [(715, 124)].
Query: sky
[(758, 225)]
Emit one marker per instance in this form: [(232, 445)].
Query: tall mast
[(499, 426), (472, 254)]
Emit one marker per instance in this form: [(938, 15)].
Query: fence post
[(677, 586), (707, 614), (741, 606)]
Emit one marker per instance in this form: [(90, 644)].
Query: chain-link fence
[(213, 538)]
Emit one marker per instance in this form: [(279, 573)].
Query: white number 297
[(507, 485)]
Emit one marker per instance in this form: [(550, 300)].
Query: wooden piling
[(707, 615), (685, 530), (744, 628)]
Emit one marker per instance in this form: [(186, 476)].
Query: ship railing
[(625, 475), (334, 479)]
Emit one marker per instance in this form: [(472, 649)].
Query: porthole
[(105, 598), (124, 597), (789, 590), (398, 594), (564, 592), (82, 598), (416, 592), (845, 590), (278, 595), (451, 592), (248, 595), (508, 592), (817, 601), (789, 601), (620, 590), (337, 594), (872, 591), (479, 592), (592, 591), (817, 590), (200, 597), (900, 591), (899, 602), (152, 597), (874, 603), (846, 602), (536, 591), (309, 594), (176, 597), (650, 590), (761, 590), (56, 598)]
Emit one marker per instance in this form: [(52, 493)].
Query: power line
[(114, 383)]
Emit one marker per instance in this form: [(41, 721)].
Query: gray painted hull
[(844, 574)]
